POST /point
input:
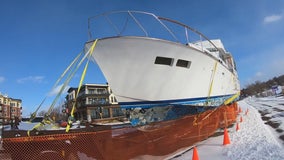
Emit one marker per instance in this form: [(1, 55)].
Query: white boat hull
[(128, 64)]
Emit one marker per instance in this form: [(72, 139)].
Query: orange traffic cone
[(195, 154), (241, 119), (237, 127), (226, 139)]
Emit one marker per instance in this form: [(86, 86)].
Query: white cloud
[(57, 89), (259, 74), (2, 79), (33, 79), (272, 18)]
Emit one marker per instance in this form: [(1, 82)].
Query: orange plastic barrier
[(125, 142)]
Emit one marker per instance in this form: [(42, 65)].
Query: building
[(95, 104), (9, 109), (275, 90)]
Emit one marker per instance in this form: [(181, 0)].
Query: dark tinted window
[(183, 63), (164, 61)]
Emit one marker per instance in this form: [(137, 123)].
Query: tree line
[(258, 86)]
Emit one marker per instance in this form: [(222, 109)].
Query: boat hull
[(129, 65)]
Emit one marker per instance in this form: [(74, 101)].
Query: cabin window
[(183, 63), (106, 112), (95, 113), (116, 112), (164, 61)]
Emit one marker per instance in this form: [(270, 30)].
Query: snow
[(26, 125), (255, 140)]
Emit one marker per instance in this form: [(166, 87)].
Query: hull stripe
[(214, 100)]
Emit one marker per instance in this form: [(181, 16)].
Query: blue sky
[(39, 38)]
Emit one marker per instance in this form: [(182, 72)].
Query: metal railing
[(142, 21)]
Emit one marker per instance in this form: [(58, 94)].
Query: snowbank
[(254, 140)]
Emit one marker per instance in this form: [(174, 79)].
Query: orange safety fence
[(125, 142)]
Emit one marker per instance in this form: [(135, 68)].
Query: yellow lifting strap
[(231, 99), (45, 121), (35, 127), (80, 85), (39, 125), (212, 80), (67, 69), (33, 115)]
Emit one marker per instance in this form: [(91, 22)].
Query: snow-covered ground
[(259, 136)]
